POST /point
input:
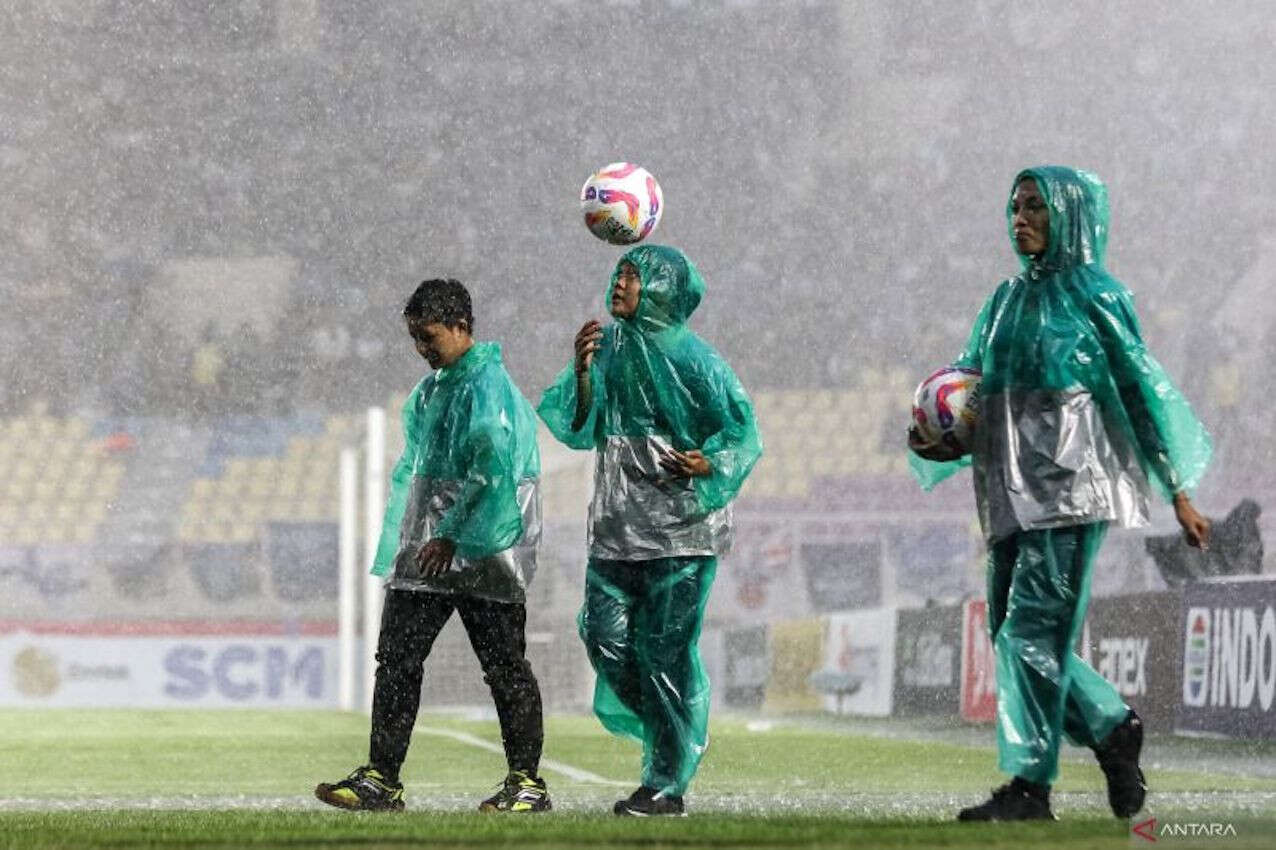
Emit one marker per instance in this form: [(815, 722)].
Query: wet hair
[(442, 300)]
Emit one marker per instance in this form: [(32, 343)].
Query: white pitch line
[(567, 770)]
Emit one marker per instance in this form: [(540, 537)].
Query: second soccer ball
[(946, 407)]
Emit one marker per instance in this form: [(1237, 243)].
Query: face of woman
[(624, 298), (1030, 218)]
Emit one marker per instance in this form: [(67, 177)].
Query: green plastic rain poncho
[(469, 473), (1077, 423), (1077, 417), (653, 539)]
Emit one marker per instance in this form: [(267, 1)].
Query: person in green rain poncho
[(460, 534), (1078, 424), (675, 438)]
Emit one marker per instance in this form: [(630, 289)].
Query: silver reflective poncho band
[(503, 576), (640, 513), (1046, 459)]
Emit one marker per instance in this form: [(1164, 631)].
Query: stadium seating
[(813, 434), (297, 482), (58, 481)]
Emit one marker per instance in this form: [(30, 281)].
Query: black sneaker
[(364, 790), (1015, 800), (520, 792), (648, 802), (1118, 755)]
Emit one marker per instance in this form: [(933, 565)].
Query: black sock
[(390, 777)]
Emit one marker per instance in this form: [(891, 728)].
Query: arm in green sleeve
[(734, 444), (557, 408), (1173, 444)]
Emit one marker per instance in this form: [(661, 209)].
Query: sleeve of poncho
[(734, 444), (1173, 445), (557, 408)]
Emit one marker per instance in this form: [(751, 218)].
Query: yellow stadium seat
[(236, 467), (235, 488), (45, 488), (253, 510), (25, 535), (63, 449), (794, 487), (187, 531), (820, 401)]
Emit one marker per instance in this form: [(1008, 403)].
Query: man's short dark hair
[(442, 300)]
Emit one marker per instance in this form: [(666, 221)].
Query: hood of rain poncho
[(1064, 323), (663, 379), (468, 426)]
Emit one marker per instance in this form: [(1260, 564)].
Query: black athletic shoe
[(364, 790), (648, 802), (1013, 801), (1118, 755), (519, 793)]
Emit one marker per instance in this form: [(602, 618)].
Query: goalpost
[(355, 657)]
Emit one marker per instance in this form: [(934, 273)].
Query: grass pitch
[(244, 779)]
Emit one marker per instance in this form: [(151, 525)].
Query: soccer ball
[(946, 407), (622, 203)]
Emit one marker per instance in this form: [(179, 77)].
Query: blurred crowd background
[(215, 211)]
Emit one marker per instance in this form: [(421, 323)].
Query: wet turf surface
[(244, 778)]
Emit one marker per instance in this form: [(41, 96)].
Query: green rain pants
[(1038, 589), (640, 624)]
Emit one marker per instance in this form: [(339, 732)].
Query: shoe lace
[(512, 782)]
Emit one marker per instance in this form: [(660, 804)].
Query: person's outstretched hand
[(588, 341), (1196, 528)]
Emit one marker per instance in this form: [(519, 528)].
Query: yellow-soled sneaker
[(364, 790), (520, 792)]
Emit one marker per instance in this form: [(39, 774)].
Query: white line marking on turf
[(567, 770)]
